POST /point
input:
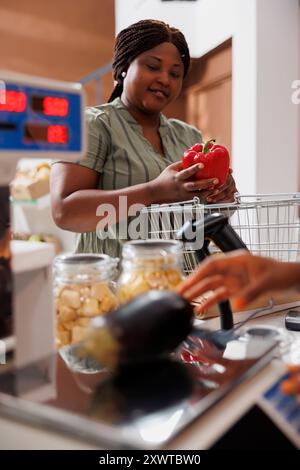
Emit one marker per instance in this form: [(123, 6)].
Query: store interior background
[(246, 56)]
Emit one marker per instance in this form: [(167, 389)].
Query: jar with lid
[(84, 287), (149, 265)]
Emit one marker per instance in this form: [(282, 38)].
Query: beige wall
[(61, 39)]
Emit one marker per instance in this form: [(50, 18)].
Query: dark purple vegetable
[(137, 390), (151, 325)]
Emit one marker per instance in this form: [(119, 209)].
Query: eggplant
[(136, 391), (150, 326)]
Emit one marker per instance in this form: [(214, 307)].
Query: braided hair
[(140, 37)]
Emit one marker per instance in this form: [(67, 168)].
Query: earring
[(123, 74)]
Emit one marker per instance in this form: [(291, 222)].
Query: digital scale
[(39, 118)]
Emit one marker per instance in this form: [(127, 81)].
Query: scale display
[(45, 116)]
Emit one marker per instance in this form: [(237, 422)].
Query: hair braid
[(140, 37)]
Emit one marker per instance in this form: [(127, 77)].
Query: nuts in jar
[(149, 265), (83, 288)]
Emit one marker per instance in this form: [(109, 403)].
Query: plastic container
[(149, 265), (84, 287)]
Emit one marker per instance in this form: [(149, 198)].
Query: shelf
[(27, 256), (40, 203)]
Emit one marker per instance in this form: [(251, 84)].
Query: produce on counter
[(214, 157), (291, 385), (150, 326)]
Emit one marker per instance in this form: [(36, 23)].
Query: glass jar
[(149, 265), (83, 288)]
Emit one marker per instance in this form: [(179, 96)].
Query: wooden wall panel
[(206, 99), (208, 95), (61, 39)]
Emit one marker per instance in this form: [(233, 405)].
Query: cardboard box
[(25, 188)]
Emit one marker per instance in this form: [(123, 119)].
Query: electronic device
[(38, 118), (292, 320)]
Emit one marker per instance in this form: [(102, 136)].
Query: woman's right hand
[(175, 184)]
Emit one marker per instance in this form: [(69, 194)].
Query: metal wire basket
[(267, 223)]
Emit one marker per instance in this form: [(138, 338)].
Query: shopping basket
[(268, 224)]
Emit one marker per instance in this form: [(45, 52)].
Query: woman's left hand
[(224, 193)]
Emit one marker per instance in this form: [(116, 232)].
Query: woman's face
[(154, 79)]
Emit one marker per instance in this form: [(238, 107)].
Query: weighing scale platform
[(142, 406)]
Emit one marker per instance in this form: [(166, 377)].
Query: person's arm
[(75, 197), (239, 275)]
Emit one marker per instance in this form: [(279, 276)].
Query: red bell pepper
[(214, 157)]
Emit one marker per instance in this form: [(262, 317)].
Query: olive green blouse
[(119, 152)]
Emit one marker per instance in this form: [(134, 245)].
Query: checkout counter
[(49, 400), (76, 410)]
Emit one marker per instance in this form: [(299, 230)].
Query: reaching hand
[(241, 275), (291, 386)]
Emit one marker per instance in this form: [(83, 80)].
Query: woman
[(133, 149)]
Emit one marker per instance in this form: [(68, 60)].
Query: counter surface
[(195, 432)]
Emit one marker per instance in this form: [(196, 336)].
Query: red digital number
[(57, 135), (13, 101), (55, 106)]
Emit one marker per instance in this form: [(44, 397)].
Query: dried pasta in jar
[(83, 289), (149, 265)]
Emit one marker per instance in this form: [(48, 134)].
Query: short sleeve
[(98, 140)]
